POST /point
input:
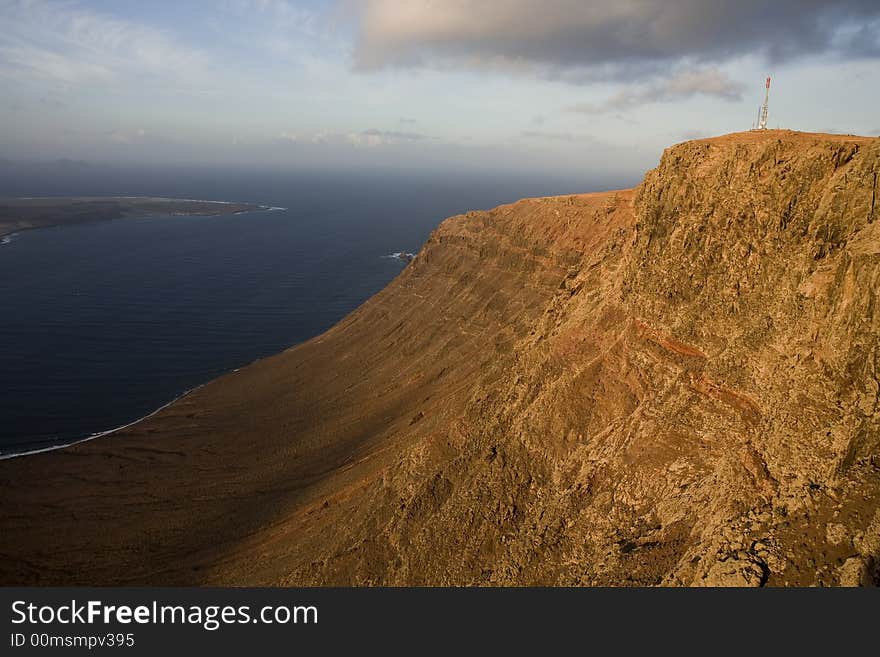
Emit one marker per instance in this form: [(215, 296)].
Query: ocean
[(104, 322)]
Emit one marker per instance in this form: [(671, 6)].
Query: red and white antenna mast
[(762, 124)]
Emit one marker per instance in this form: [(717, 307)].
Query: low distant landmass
[(18, 214)]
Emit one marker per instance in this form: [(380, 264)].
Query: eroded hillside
[(678, 384)]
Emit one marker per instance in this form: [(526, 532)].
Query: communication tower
[(762, 123)]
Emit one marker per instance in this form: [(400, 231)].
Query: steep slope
[(678, 384)]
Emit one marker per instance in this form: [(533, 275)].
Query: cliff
[(677, 384)]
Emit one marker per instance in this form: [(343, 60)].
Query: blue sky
[(521, 85)]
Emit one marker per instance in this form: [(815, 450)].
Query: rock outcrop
[(672, 385)]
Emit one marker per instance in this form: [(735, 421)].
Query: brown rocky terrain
[(677, 385)]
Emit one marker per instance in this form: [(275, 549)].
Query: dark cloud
[(581, 41), (681, 86)]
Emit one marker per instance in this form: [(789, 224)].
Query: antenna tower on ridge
[(762, 124)]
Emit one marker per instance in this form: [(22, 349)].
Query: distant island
[(17, 214)]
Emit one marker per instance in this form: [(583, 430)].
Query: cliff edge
[(677, 384)]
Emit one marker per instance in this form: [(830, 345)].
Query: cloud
[(846, 131), (64, 42), (567, 137), (52, 103), (280, 27), (134, 136), (374, 137), (292, 137), (690, 135), (137, 136), (630, 39), (681, 86), (371, 137), (280, 11)]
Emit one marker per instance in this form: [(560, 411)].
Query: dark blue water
[(102, 323)]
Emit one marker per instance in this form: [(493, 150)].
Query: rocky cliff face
[(677, 384)]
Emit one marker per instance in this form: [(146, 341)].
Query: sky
[(507, 85)]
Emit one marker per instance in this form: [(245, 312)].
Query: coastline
[(291, 437), (6, 238), (108, 432), (49, 211), (403, 256)]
